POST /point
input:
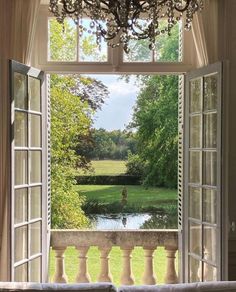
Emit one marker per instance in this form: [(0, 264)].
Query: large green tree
[(74, 99)]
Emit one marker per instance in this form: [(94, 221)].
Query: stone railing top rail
[(144, 238)]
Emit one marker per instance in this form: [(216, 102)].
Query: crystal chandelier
[(119, 21)]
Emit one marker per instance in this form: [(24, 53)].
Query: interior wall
[(227, 49)]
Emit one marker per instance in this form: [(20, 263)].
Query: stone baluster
[(83, 275), (104, 275), (171, 276), (126, 276), (148, 276), (60, 274)]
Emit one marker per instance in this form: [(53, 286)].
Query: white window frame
[(114, 64)]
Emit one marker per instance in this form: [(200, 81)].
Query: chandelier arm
[(66, 9)]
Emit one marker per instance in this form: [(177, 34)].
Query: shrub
[(108, 180), (135, 165)]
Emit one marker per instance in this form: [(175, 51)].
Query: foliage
[(135, 165), (105, 144), (155, 118), (68, 120), (108, 179)]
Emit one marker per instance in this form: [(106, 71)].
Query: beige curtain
[(205, 27), (17, 30)]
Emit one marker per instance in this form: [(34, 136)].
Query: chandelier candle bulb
[(120, 21)]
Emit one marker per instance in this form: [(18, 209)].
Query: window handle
[(232, 226)]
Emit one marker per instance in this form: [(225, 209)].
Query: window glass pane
[(210, 92), (35, 130), (35, 270), (21, 166), (21, 273), (35, 167), (21, 205), (62, 40), (195, 238), (194, 167), (139, 52), (168, 46), (21, 243), (210, 130), (209, 243), (20, 129), (195, 131), (35, 238), (195, 203), (34, 94), (209, 205), (35, 203), (89, 50), (20, 91), (195, 270), (210, 168), (195, 96), (209, 273)]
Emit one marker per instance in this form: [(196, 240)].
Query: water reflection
[(133, 221)]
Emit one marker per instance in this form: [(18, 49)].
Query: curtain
[(18, 20), (205, 31)]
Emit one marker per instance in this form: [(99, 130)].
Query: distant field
[(136, 194), (109, 167)]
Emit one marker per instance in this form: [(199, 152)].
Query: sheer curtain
[(205, 31), (18, 20)]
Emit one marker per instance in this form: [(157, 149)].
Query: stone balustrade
[(82, 240)]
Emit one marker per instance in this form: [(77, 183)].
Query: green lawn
[(108, 167), (137, 195), (71, 264)]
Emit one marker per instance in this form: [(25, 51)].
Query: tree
[(74, 98)]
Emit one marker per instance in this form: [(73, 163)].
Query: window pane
[(34, 94), (35, 238), (168, 46), (195, 203), (209, 273), (195, 238), (195, 96), (21, 243), (210, 92), (21, 166), (194, 167), (195, 270), (35, 130), (89, 50), (35, 270), (21, 205), (209, 206), (35, 203), (209, 243), (210, 130), (20, 129), (21, 273), (20, 91), (35, 167), (139, 52), (210, 168), (195, 131), (62, 40)]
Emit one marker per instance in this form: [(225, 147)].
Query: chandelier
[(120, 21)]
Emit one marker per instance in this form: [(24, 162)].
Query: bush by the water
[(108, 179)]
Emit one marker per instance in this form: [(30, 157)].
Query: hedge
[(108, 180)]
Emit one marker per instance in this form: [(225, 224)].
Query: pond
[(132, 221)]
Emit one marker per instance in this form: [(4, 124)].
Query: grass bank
[(107, 167), (71, 264)]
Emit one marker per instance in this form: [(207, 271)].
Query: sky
[(116, 113)]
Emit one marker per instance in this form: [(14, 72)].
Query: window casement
[(108, 60)]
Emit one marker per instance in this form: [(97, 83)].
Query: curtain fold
[(205, 34), (18, 20)]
